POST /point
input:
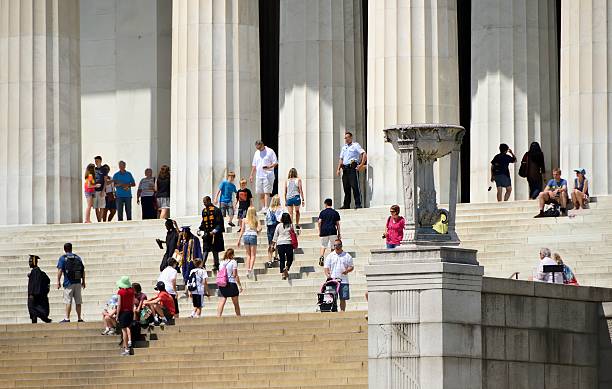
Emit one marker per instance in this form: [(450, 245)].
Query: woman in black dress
[(532, 165)]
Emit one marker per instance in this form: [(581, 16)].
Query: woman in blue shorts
[(294, 196)]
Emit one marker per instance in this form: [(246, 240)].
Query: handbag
[(294, 239), (523, 169)]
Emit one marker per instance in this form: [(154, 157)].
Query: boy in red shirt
[(125, 309), (162, 305)]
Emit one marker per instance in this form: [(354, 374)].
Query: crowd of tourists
[(555, 193)]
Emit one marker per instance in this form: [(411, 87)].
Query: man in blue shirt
[(124, 181), (554, 193), (70, 266), (352, 160)]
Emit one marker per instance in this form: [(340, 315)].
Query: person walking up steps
[(500, 172), (244, 198), (338, 265), (264, 162), (284, 246), (273, 216), (329, 228), (198, 288), (70, 266), (249, 229), (225, 197), (229, 282), (294, 196), (352, 160)]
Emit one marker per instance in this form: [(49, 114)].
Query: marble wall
[(215, 114), (586, 91), (40, 137), (321, 92), (125, 65)]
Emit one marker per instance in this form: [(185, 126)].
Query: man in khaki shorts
[(70, 266)]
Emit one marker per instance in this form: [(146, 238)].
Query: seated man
[(554, 193), (162, 305), (540, 276), (580, 194)]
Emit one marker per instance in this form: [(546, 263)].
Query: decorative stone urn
[(420, 145)]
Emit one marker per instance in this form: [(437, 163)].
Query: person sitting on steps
[(554, 193)]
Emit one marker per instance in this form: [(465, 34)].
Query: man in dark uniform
[(38, 291), (352, 160), (212, 231)]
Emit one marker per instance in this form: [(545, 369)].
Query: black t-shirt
[(244, 198), (329, 217), (500, 164), (99, 173), (163, 187)]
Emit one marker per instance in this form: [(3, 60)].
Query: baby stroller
[(328, 297)]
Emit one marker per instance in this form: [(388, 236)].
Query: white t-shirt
[(168, 276), (265, 157), (540, 276), (200, 275), (337, 264), (230, 265)]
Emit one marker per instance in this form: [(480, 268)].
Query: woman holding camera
[(394, 229)]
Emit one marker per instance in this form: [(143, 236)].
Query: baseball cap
[(160, 286), (581, 171)]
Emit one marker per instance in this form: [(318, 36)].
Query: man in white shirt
[(338, 265), (545, 260), (352, 160), (264, 162), (168, 277)]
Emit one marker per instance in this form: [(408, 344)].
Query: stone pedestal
[(586, 92), (514, 87), (321, 91), (412, 78), (215, 113), (40, 111), (424, 315)]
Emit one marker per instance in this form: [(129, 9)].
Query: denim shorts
[(294, 201), (271, 230), (345, 293), (249, 240), (391, 245), (227, 209), (502, 181)]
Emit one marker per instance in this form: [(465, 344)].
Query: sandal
[(321, 260)]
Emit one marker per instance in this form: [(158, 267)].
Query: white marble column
[(321, 91), (586, 87), (215, 113), (412, 78), (40, 144), (515, 90)]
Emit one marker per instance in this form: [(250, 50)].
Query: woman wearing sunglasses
[(394, 229)]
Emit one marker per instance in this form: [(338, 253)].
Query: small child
[(109, 316), (226, 192), (273, 217), (201, 288), (244, 197), (139, 299), (125, 309)]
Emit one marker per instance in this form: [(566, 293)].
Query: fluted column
[(412, 78), (515, 90), (321, 91), (586, 87), (215, 113), (40, 143)]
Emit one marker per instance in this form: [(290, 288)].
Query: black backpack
[(74, 268), (192, 283)]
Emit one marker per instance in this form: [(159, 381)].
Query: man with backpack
[(71, 267)]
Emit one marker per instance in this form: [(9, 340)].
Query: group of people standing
[(110, 195), (532, 168)]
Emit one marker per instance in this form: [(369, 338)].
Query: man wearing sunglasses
[(338, 265)]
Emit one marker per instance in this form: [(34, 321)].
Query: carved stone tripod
[(420, 145)]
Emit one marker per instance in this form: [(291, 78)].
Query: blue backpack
[(271, 218)]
